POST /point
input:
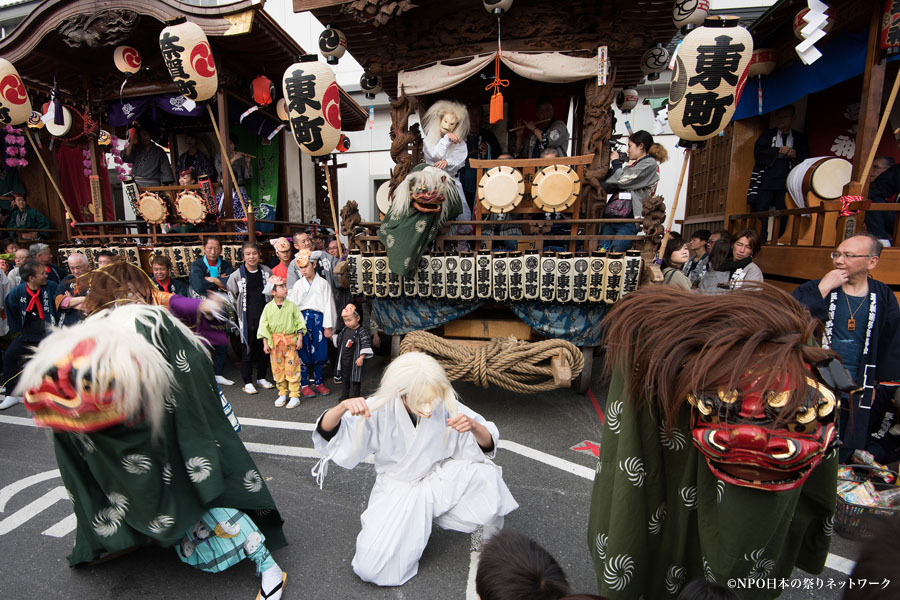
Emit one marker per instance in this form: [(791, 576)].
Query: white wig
[(420, 380), (431, 123), (122, 361), (430, 178)]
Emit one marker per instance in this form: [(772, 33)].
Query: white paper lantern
[(370, 84), (497, 7), (15, 106), (423, 277), (332, 44), (451, 277), (313, 106), (467, 276), (689, 12), (627, 99), (762, 62), (127, 59), (654, 61), (710, 73), (189, 59)]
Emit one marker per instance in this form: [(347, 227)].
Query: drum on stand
[(190, 207), (808, 184), (152, 208)]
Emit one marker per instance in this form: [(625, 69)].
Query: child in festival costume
[(354, 347), (313, 297), (143, 446), (431, 457), (281, 328), (719, 455)]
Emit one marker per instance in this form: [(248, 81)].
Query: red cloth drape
[(76, 188)]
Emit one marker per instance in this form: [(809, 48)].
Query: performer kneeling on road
[(431, 457)]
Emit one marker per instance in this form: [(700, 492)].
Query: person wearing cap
[(313, 297), (281, 328), (354, 347)]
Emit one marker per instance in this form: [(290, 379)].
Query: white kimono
[(315, 296), (425, 473), (455, 155)]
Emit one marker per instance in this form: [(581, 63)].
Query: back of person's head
[(878, 561), (515, 567), (720, 253), (550, 153), (674, 243), (701, 234), (700, 589), (29, 269)]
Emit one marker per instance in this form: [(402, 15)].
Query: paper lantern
[(15, 107), (798, 22), (189, 59), (497, 7), (654, 61), (281, 110), (627, 99), (127, 59), (370, 84), (690, 12), (103, 138), (890, 27), (332, 44), (710, 72), (313, 106), (762, 62), (263, 90)]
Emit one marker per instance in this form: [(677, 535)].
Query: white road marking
[(63, 528), (838, 563), (32, 509)]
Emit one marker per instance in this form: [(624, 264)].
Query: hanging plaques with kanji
[(710, 72), (313, 106), (189, 59), (890, 27), (15, 107)]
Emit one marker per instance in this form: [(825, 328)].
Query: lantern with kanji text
[(762, 62), (332, 44), (313, 105), (189, 59), (710, 72), (890, 27), (15, 107)]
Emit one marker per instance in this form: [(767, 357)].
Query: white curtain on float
[(552, 67)]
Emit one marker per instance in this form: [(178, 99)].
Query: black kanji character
[(308, 131), (167, 43), (715, 63), (704, 112), (300, 90)]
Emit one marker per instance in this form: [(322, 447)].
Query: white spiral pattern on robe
[(675, 577), (707, 571), (421, 224), (118, 502), (252, 481), (167, 474), (599, 467), (170, 404), (198, 468), (618, 571), (612, 415), (86, 442), (689, 497), (633, 468), (262, 512), (673, 440), (160, 523), (655, 524), (831, 454), (181, 362), (828, 528), (136, 464), (106, 522), (602, 542), (720, 491), (762, 566), (390, 241)]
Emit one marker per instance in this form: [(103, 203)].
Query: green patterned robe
[(660, 518), (129, 489)]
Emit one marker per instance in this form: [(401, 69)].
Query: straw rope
[(505, 362)]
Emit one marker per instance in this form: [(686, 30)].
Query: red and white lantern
[(689, 12), (313, 107), (710, 73), (627, 99), (127, 59), (15, 106), (189, 59), (798, 22), (762, 62)]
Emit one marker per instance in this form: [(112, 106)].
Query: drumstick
[(50, 177), (331, 206), (520, 127), (665, 240), (227, 162)]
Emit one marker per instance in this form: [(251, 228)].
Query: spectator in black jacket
[(776, 152), (883, 188)]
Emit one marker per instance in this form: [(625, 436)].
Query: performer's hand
[(328, 332), (784, 150), (453, 137), (441, 164), (832, 280), (461, 423), (359, 361), (212, 305), (356, 407), (299, 341), (266, 347), (483, 148)]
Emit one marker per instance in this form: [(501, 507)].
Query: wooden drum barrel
[(808, 184)]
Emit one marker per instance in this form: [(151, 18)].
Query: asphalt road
[(550, 480)]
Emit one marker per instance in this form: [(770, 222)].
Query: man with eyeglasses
[(862, 324)]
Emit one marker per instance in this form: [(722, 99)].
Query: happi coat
[(426, 472), (359, 344), (660, 518)]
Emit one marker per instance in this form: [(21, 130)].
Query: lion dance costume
[(144, 448), (718, 457)]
